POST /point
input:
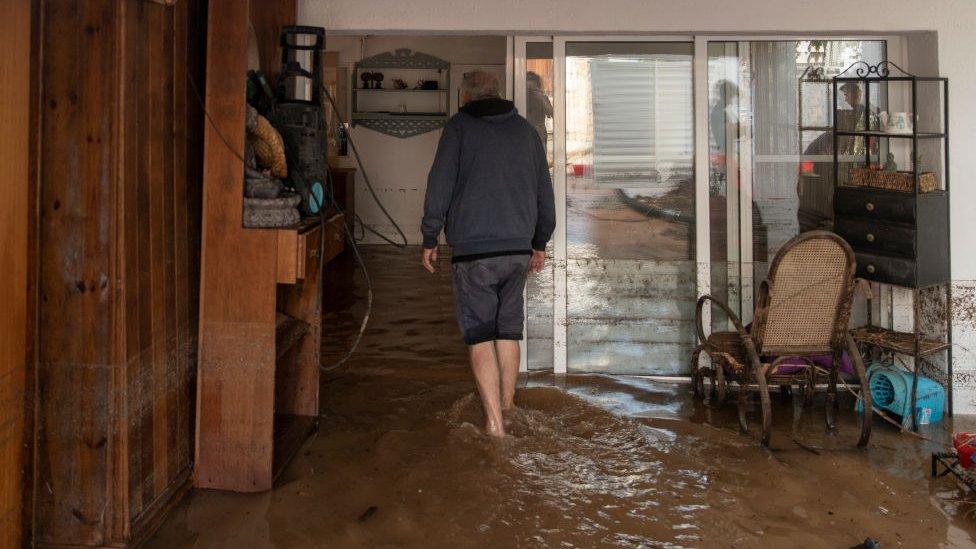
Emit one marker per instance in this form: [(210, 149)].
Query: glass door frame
[(739, 260), (896, 51), (517, 61)]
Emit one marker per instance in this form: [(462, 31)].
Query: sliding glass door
[(770, 147), (630, 216), (680, 167)]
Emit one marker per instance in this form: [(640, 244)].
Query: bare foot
[(497, 431), (508, 415)]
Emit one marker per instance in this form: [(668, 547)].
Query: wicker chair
[(803, 311)]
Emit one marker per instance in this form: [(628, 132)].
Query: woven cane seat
[(805, 295)]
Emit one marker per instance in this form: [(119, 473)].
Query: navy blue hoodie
[(489, 187)]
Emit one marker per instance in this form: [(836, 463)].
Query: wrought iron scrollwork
[(402, 128), (403, 58), (863, 69)]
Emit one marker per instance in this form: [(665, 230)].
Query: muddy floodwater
[(591, 461)]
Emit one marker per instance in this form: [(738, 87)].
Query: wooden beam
[(268, 17), (77, 274), (235, 391), (15, 62)]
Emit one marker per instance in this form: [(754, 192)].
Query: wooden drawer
[(874, 204), (307, 256), (886, 268), (335, 236), (298, 249), (877, 237)]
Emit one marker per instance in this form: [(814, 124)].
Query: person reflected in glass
[(854, 118), (722, 114), (722, 118), (537, 105), (855, 101)]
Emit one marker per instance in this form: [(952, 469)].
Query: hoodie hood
[(492, 109)]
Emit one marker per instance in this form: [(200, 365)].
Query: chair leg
[(867, 415), (811, 387), (743, 404), (786, 392), (720, 389), (830, 411), (767, 407), (798, 406), (697, 381)]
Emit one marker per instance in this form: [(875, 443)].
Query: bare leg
[(508, 366), (486, 377)]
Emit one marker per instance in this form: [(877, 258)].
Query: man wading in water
[(489, 189)]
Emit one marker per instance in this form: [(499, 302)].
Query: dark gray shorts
[(488, 294)]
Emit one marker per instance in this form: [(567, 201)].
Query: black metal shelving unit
[(900, 237)]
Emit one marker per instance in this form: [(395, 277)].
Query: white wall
[(951, 20), (398, 167)]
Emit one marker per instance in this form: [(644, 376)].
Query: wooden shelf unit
[(897, 342), (260, 324), (400, 120)]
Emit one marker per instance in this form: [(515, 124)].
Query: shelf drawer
[(298, 251), (888, 269), (335, 237), (875, 237), (872, 204), (308, 253)]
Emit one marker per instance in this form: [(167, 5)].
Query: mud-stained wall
[(119, 168)]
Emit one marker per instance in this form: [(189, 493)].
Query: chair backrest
[(806, 305)]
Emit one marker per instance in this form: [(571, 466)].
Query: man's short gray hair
[(479, 85)]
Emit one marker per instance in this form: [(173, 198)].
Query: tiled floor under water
[(399, 460)]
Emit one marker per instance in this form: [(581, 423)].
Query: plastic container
[(965, 445), (891, 390)]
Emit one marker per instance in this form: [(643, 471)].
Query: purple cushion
[(791, 366), (794, 365)]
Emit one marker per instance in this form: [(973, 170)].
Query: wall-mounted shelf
[(402, 112)]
